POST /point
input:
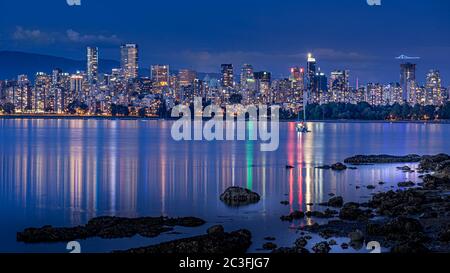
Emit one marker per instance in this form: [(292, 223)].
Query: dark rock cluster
[(107, 228), (217, 242)]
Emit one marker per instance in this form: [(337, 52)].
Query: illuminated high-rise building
[(129, 61), (92, 65), (42, 92), (339, 85), (434, 91), (263, 81), (311, 70), (22, 97), (227, 75), (186, 77), (374, 94), (247, 83), (76, 86), (319, 88), (160, 75), (407, 77)]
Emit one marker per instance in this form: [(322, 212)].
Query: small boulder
[(406, 184), (215, 230), (356, 236), (336, 202), (236, 196), (338, 167), (322, 247), (269, 246)]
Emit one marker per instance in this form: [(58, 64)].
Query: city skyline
[(124, 91), (241, 35)]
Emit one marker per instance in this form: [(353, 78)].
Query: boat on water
[(302, 127)]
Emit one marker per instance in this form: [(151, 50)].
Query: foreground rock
[(352, 211), (335, 202), (432, 162), (107, 228), (338, 167), (380, 159), (236, 242), (236, 196)]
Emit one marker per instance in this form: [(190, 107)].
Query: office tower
[(393, 93), (22, 94), (186, 77), (310, 70), (262, 82), (56, 76), (42, 92), (92, 65), (227, 76), (339, 85), (247, 76), (2, 90), (160, 77), (375, 94), (76, 87), (319, 88), (247, 83), (407, 77), (129, 61), (281, 91), (296, 73), (297, 79), (434, 92)]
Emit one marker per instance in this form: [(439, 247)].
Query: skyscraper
[(227, 75), (129, 61), (310, 70), (434, 92), (263, 81), (186, 77), (407, 78), (92, 64), (160, 75), (339, 85)]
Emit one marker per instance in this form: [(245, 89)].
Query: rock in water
[(107, 228), (322, 247), (378, 159), (338, 167), (336, 202), (232, 243), (406, 184), (269, 246), (236, 196), (215, 230), (356, 236)]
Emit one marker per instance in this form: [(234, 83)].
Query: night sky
[(271, 35)]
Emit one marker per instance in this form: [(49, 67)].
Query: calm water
[(63, 172)]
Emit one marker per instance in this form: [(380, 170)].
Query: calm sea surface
[(64, 172)]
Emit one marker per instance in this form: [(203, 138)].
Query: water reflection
[(67, 171)]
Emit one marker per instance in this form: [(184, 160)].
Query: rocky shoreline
[(412, 220)]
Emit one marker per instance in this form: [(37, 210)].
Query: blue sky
[(272, 35)]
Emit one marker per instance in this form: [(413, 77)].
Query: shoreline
[(75, 117)]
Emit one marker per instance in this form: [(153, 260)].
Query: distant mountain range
[(13, 63)]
